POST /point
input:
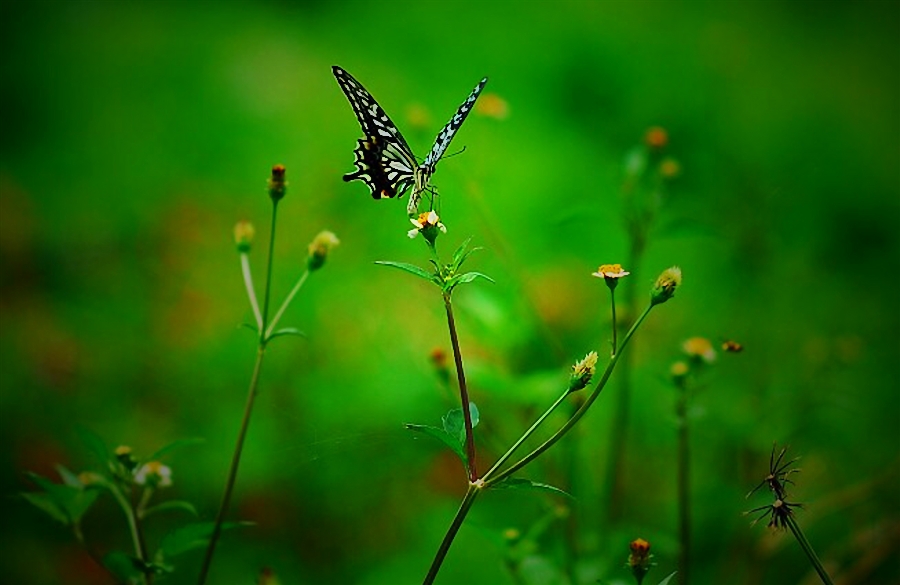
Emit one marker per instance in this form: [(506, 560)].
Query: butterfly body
[(384, 160)]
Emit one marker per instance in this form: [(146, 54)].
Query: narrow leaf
[(667, 579), (45, 503), (442, 436), (95, 445), (516, 483), (170, 506), (288, 331), (126, 567), (460, 254), (411, 268), (69, 478), (160, 453)]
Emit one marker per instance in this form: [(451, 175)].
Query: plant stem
[(808, 549), (464, 507), (232, 472), (525, 436), (612, 300), (578, 414), (248, 410), (248, 284), (136, 538), (684, 504), (463, 391), (287, 301)]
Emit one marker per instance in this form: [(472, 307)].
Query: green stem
[(684, 504), (578, 414), (808, 549), (251, 294), (265, 315), (287, 301), (232, 472), (524, 437), (612, 300), (464, 507), (131, 518), (463, 390)]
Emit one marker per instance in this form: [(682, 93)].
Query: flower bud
[(699, 349), (582, 372), (639, 559), (319, 249), (665, 286), (669, 168), (243, 236), (656, 138), (679, 372), (277, 184), (124, 456)]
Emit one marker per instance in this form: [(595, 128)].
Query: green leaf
[(287, 331), (160, 453), (411, 268), (464, 279), (95, 445), (667, 579), (250, 327), (443, 436), (474, 414), (170, 506), (126, 567), (460, 255), (455, 424), (45, 503), (69, 478), (516, 483), (72, 501), (189, 537)]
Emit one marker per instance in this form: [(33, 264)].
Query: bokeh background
[(135, 134)]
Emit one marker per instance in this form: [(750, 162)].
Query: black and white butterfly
[(384, 161)]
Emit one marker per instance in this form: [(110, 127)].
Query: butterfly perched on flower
[(384, 161)]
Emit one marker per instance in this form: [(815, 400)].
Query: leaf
[(170, 506), (72, 502), (125, 567), (443, 436), (465, 279), (287, 331), (69, 478), (667, 579), (460, 255), (45, 503), (250, 327), (162, 452), (455, 424), (516, 483), (95, 445), (411, 268), (189, 537)]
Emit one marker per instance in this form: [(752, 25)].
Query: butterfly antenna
[(460, 151)]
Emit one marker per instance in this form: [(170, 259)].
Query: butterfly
[(384, 160)]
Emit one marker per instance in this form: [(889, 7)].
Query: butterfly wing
[(384, 161), (449, 130)]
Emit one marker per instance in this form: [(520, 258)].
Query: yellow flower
[(665, 286), (319, 249), (699, 348), (611, 273), (243, 236), (583, 371), (153, 474), (428, 224)]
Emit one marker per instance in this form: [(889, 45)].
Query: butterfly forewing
[(449, 130)]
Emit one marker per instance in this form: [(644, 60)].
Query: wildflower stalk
[(612, 301), (463, 392), (134, 528), (248, 410), (468, 500), (251, 294), (808, 549), (684, 504), (287, 302), (578, 414)]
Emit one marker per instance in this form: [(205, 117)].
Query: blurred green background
[(135, 134)]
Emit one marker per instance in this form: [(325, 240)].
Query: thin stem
[(578, 414), (265, 315), (464, 507), (251, 294), (612, 300), (808, 549), (131, 518), (287, 301), (235, 462), (524, 437), (463, 390), (684, 504)]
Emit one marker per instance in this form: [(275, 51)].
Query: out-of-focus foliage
[(135, 134)]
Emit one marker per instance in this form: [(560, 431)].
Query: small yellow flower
[(428, 224), (122, 450), (665, 286), (493, 106), (611, 273), (243, 236), (679, 371), (669, 168), (153, 474), (319, 249), (583, 371), (699, 349)]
